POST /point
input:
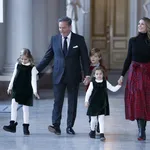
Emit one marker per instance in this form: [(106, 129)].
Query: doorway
[(110, 30)]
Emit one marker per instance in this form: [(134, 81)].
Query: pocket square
[(75, 46)]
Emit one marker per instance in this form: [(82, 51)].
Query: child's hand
[(9, 91), (37, 95), (120, 84), (86, 80), (86, 104), (120, 81)]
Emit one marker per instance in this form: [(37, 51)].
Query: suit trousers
[(59, 94)]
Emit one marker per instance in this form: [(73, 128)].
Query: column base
[(3, 90), (7, 70)]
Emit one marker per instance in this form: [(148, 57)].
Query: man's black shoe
[(70, 131), (54, 129)]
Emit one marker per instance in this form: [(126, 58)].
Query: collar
[(27, 64), (69, 36), (142, 35), (99, 81), (96, 65)]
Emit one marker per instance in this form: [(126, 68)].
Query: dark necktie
[(65, 46)]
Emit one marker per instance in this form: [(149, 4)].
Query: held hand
[(120, 81), (86, 80), (120, 85), (37, 95), (9, 91), (86, 104)]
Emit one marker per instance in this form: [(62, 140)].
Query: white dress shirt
[(68, 40)]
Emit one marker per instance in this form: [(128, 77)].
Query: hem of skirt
[(98, 115), (25, 104), (137, 118)]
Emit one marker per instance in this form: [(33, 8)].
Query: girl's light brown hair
[(26, 52), (98, 68)]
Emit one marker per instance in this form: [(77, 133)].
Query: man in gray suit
[(69, 52)]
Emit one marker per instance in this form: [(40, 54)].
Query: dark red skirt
[(137, 92)]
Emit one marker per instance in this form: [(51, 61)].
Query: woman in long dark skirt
[(137, 91)]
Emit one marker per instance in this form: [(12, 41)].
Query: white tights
[(94, 122), (14, 106)]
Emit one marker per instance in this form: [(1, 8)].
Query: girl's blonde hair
[(26, 52), (147, 22)]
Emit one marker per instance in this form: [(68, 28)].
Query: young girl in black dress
[(96, 60), (22, 86), (96, 100)]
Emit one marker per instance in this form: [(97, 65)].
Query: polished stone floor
[(120, 133)]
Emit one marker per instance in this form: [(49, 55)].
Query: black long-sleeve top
[(138, 51)]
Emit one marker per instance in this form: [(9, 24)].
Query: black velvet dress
[(22, 90), (98, 102)]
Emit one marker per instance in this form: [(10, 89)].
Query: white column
[(2, 45), (45, 25), (140, 8), (53, 16), (1, 11), (2, 39), (146, 7), (133, 18), (83, 23), (86, 22), (62, 8), (19, 30), (40, 29)]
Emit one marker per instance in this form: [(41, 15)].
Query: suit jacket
[(77, 58)]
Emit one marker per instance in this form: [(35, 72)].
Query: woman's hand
[(120, 81)]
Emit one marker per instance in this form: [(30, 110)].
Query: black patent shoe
[(102, 137), (92, 134), (54, 129), (26, 129), (11, 127), (70, 131)]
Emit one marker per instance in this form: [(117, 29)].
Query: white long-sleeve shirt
[(34, 73), (109, 86)]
